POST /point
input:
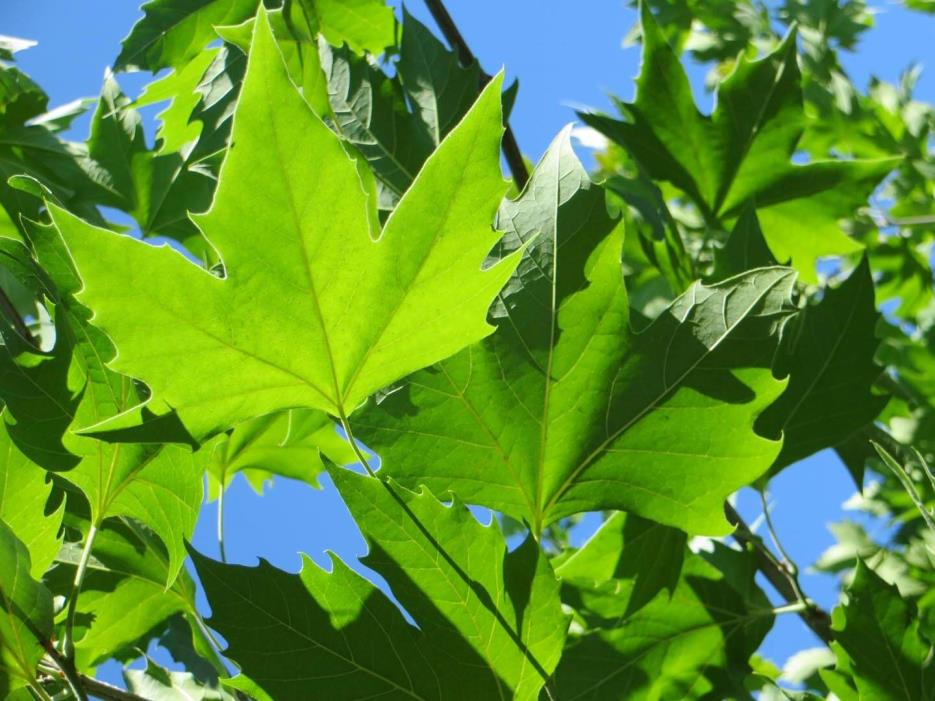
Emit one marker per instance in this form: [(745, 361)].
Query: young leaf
[(292, 224), (157, 683), (831, 368), (742, 151), (25, 615), (489, 622), (290, 444), (566, 409), (878, 641), (172, 32)]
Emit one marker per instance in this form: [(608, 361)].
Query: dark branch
[(107, 691), (779, 577), (514, 157), (9, 311)]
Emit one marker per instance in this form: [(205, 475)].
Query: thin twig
[(66, 669), (108, 691), (514, 157), (788, 563), (814, 617)]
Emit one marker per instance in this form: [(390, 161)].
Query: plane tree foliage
[(316, 260)]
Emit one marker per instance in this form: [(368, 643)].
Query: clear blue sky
[(565, 54)]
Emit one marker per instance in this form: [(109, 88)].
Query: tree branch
[(9, 311), (107, 691), (814, 617), (514, 157)]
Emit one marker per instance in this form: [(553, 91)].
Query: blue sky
[(565, 54)]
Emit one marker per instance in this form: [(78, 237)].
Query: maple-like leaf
[(878, 642), (691, 640), (312, 310), (566, 409), (489, 622), (24, 495), (49, 395), (172, 32), (25, 615), (743, 150)]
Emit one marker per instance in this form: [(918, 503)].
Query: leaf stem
[(787, 562), (36, 688), (220, 526), (511, 151), (66, 669), (814, 617), (68, 642), (346, 425), (907, 482)]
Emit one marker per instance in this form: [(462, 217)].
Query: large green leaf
[(172, 32), (159, 484), (742, 152), (489, 622), (565, 409), (25, 615), (24, 495), (124, 597), (293, 226), (690, 642), (830, 362), (878, 643)]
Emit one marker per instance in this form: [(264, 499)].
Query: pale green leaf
[(25, 615), (292, 222)]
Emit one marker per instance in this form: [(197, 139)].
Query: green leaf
[(878, 643), (829, 357), (159, 484), (690, 642), (489, 622), (364, 25), (25, 618), (629, 547), (176, 128), (289, 444), (364, 312), (157, 683), (157, 190), (24, 495), (742, 151), (370, 112), (745, 248), (124, 596), (172, 32), (565, 409), (434, 79)]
